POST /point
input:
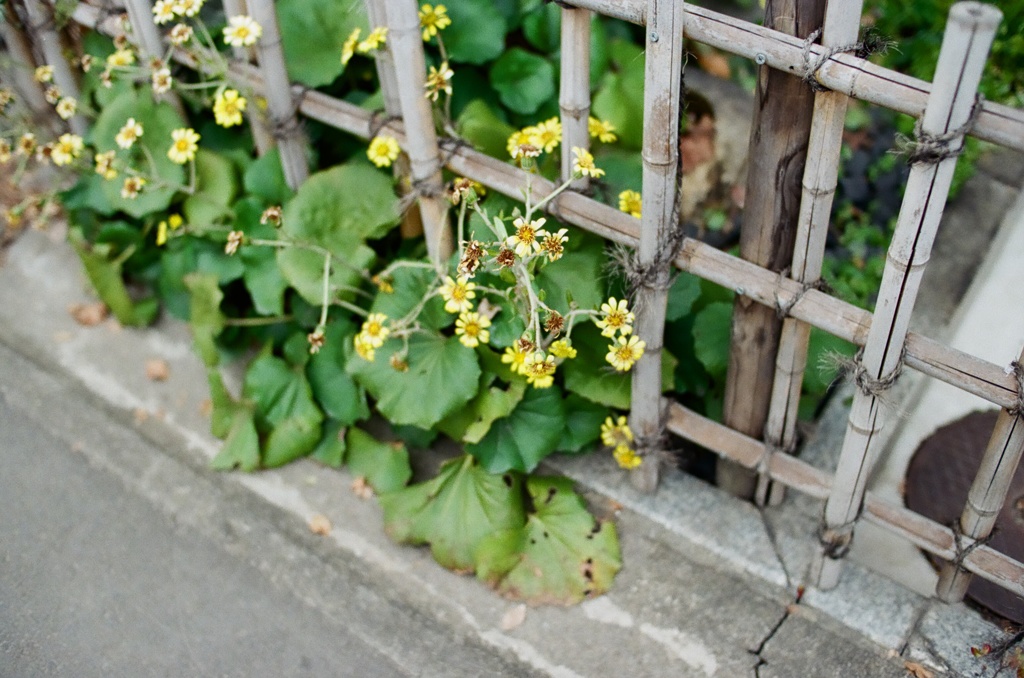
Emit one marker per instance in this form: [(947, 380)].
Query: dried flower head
[(272, 216), (506, 258), (26, 144), (471, 258), (86, 62), (235, 239), (180, 34), (554, 323), (398, 363), (316, 340), (132, 187), (105, 165)]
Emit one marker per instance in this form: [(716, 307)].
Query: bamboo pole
[(150, 44), (842, 22), (844, 73), (261, 136), (660, 181), (42, 29), (291, 141), (988, 493), (778, 147), (387, 74), (965, 45), (842, 319), (23, 68), (574, 88), (797, 474), (421, 138)]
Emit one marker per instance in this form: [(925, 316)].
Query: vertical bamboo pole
[(282, 107), (149, 42), (23, 67), (842, 22), (421, 137), (778, 148), (987, 495), (574, 87), (965, 46), (261, 136), (42, 29), (412, 225), (660, 181)]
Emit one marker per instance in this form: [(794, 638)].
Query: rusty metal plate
[(938, 480)]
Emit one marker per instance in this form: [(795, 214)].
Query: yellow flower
[(375, 329), (539, 369), (617, 318), (161, 234), (616, 432), (547, 135), (184, 144), (458, 294), (626, 457), (562, 349), (348, 48), (5, 152), (188, 7), (242, 31), (377, 37), (552, 244), (175, 221), (471, 329), (67, 148), (121, 59), (180, 34), (26, 144), (43, 73), (433, 19), (163, 11), (128, 134), (364, 349), (527, 235), (624, 353), (132, 186), (228, 108), (583, 165), (383, 151), (603, 130), (515, 358), (6, 97), (104, 165), (66, 107), (162, 80), (630, 203), (438, 80), (517, 139)]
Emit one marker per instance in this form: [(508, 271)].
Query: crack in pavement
[(761, 661)]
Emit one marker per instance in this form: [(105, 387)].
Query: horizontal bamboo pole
[(844, 320), (801, 476), (844, 73)]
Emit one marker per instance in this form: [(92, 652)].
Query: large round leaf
[(712, 329), (410, 284), (578, 275), (313, 32), (477, 33), (334, 388), (524, 81), (522, 439), (442, 377)]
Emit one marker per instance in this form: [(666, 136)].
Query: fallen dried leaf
[(319, 524), (917, 670), (157, 369), (513, 618), (89, 315), (361, 488)]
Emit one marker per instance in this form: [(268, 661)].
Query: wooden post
[(965, 46), (988, 493), (842, 23), (421, 137), (150, 44), (283, 108), (23, 68), (261, 136), (43, 30), (778, 148), (574, 88), (662, 80)]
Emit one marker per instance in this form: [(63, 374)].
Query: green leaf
[(304, 270), (583, 420), (454, 511), (471, 423), (384, 465), (158, 121), (579, 273), (684, 291), (223, 405), (205, 317), (477, 33), (312, 32), (441, 378), (264, 178), (291, 439), (285, 410), (524, 81), (478, 125), (241, 448), (331, 448), (542, 28), (216, 186), (410, 285), (560, 556), (712, 330), (620, 97), (105, 275), (522, 439), (338, 394)]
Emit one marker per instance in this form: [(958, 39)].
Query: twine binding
[(1018, 373), (871, 43)]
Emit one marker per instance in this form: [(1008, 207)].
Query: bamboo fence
[(948, 110)]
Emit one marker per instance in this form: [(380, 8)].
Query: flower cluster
[(616, 322), (371, 336), (616, 434), (376, 39)]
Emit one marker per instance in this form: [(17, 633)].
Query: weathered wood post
[(778, 149), (949, 114), (43, 30), (574, 87), (261, 136), (23, 67)]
